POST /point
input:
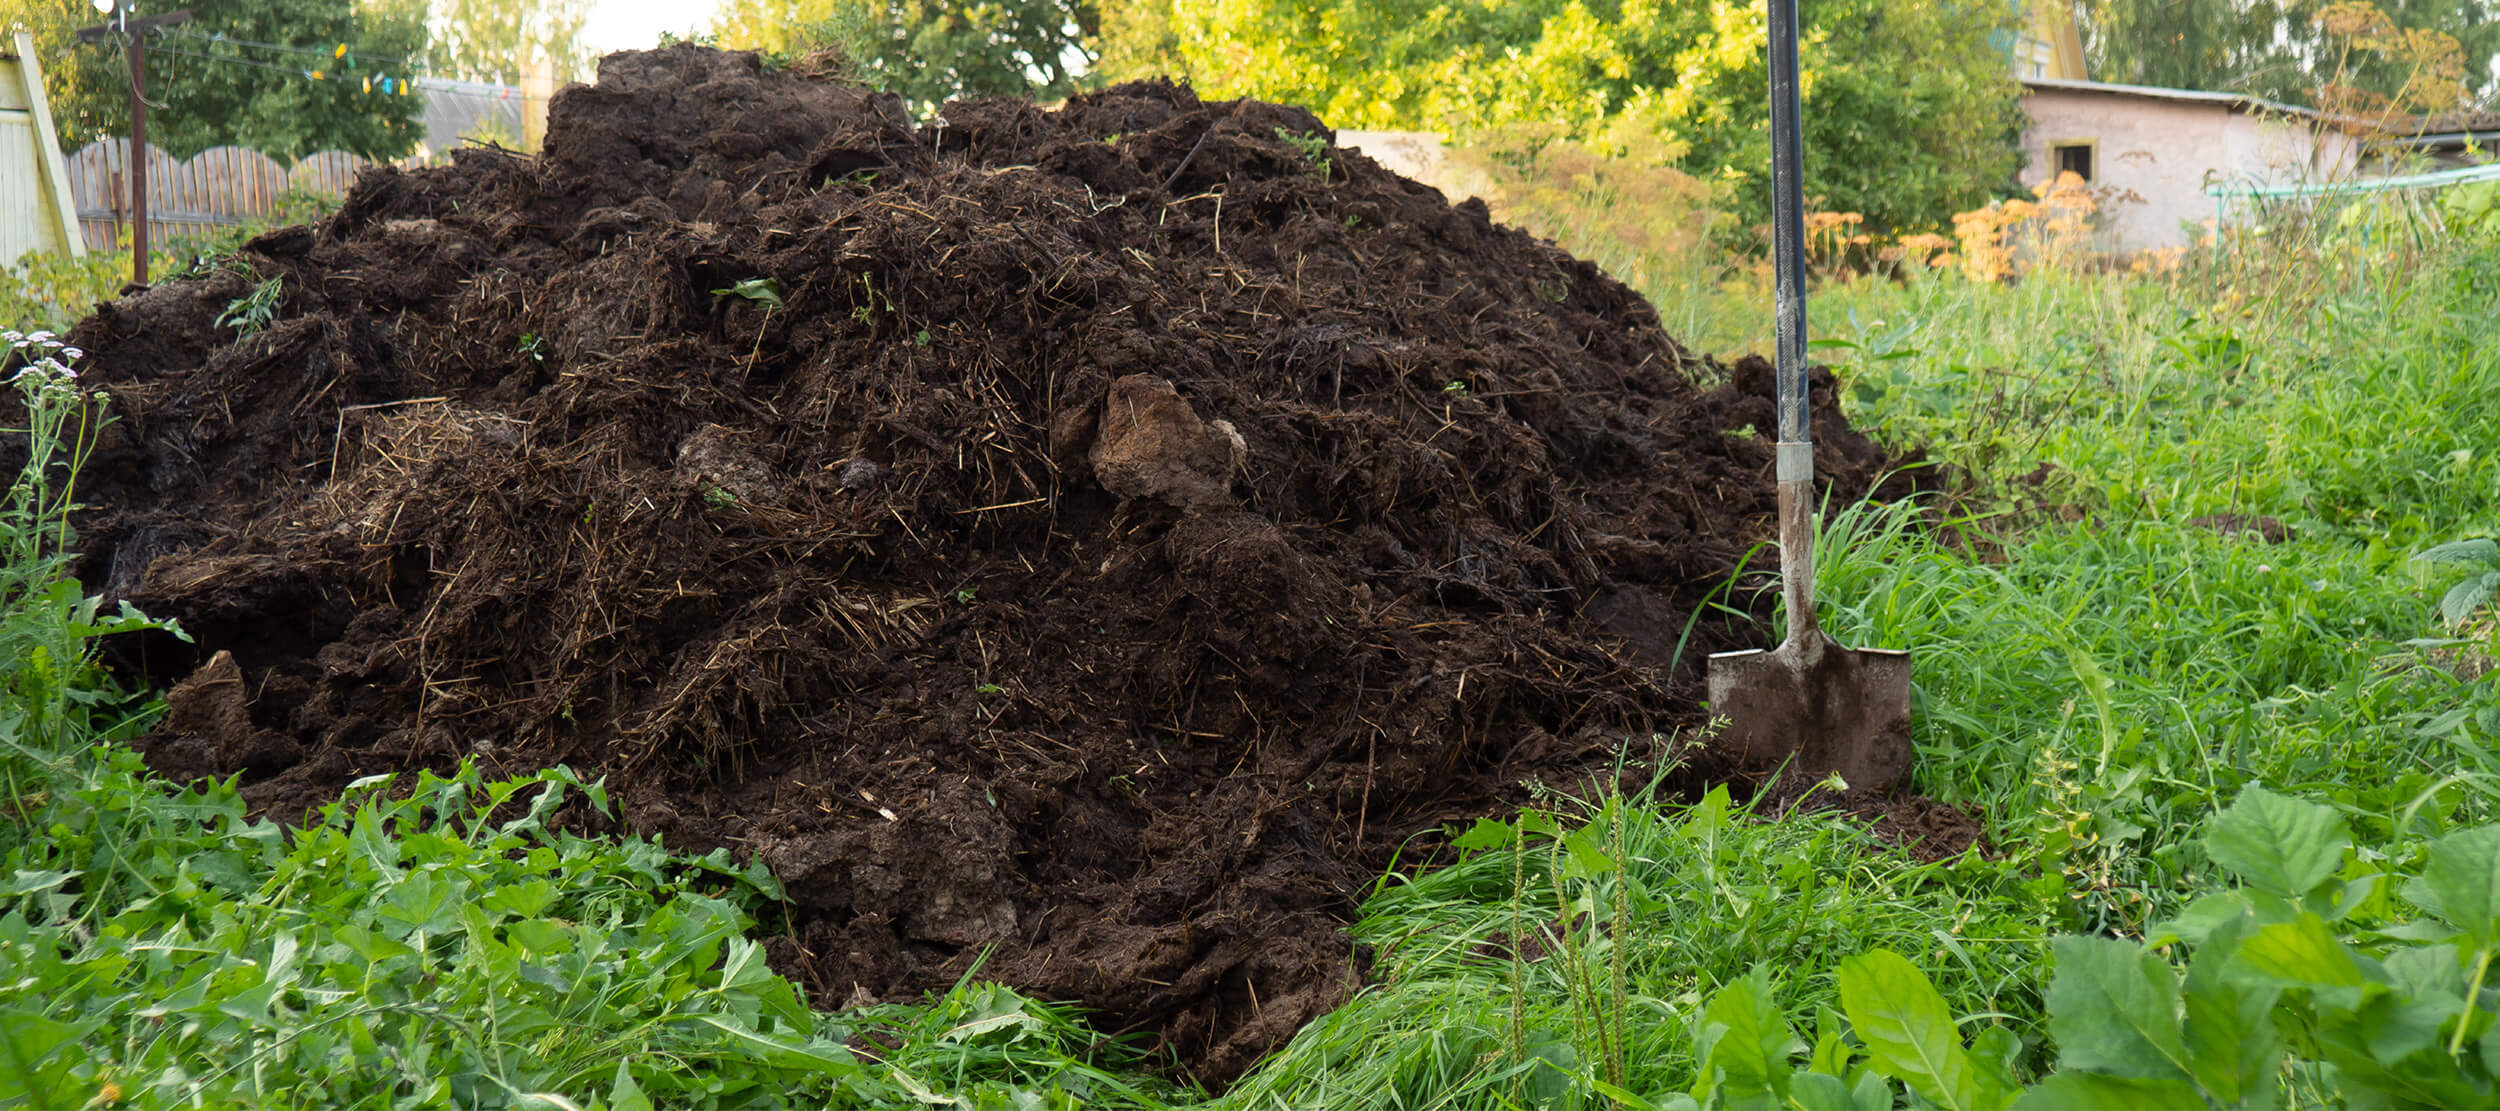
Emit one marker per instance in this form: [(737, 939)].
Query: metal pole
[(133, 33), (138, 153)]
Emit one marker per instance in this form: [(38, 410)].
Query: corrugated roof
[(2454, 123), (2156, 92)]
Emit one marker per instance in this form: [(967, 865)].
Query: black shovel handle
[(1788, 255), (1788, 222)]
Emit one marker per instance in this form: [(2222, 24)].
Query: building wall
[(2157, 156), (35, 211)]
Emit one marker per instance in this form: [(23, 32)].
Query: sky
[(636, 24)]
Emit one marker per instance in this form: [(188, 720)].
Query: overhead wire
[(340, 51), (430, 85), (391, 86)]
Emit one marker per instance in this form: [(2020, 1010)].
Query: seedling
[(718, 498), (1313, 148), (762, 291), (871, 302), (253, 311), (534, 347)]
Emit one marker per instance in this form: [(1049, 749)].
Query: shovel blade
[(1822, 708)]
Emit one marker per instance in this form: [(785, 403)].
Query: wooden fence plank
[(218, 187)]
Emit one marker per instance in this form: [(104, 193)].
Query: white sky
[(636, 24)]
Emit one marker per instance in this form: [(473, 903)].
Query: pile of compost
[(1096, 537)]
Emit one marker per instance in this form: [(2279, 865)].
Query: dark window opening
[(2074, 158)]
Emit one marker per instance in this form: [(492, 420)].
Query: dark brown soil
[(1121, 538)]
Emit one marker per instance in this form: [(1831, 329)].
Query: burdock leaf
[(2113, 1008), (2461, 883), (2462, 599), (1907, 1028), (2463, 551), (2281, 846)]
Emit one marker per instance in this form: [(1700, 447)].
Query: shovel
[(1821, 708)]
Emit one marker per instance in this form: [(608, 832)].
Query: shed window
[(2074, 158)]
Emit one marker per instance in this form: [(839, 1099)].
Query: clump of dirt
[(1096, 535)]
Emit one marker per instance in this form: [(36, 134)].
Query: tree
[(2286, 50), (1909, 105), (284, 77), (927, 50), (499, 40)]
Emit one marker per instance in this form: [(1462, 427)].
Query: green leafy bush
[(55, 290), (2472, 209), (2359, 977)]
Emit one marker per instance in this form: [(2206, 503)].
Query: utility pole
[(134, 32)]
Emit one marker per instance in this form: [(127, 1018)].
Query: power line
[(391, 85), (397, 86), (341, 51)]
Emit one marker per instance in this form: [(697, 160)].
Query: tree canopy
[(2310, 52), (499, 40), (1909, 103), (929, 50), (284, 77)]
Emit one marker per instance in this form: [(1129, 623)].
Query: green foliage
[(444, 941), (205, 93), (762, 291), (1583, 955), (502, 40), (2473, 209), (2481, 560), (2269, 48), (51, 694), (926, 51), (56, 290), (1312, 147), (2309, 972), (2132, 436), (1908, 106), (253, 311), (1909, 1033)]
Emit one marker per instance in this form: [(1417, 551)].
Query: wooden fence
[(215, 188)]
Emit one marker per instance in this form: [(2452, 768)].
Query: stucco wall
[(2159, 154)]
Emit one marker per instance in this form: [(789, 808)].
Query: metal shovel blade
[(1822, 708)]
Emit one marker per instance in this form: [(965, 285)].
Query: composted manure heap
[(1097, 536)]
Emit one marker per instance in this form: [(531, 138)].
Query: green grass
[(1687, 898), (2108, 682), (2098, 676)]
